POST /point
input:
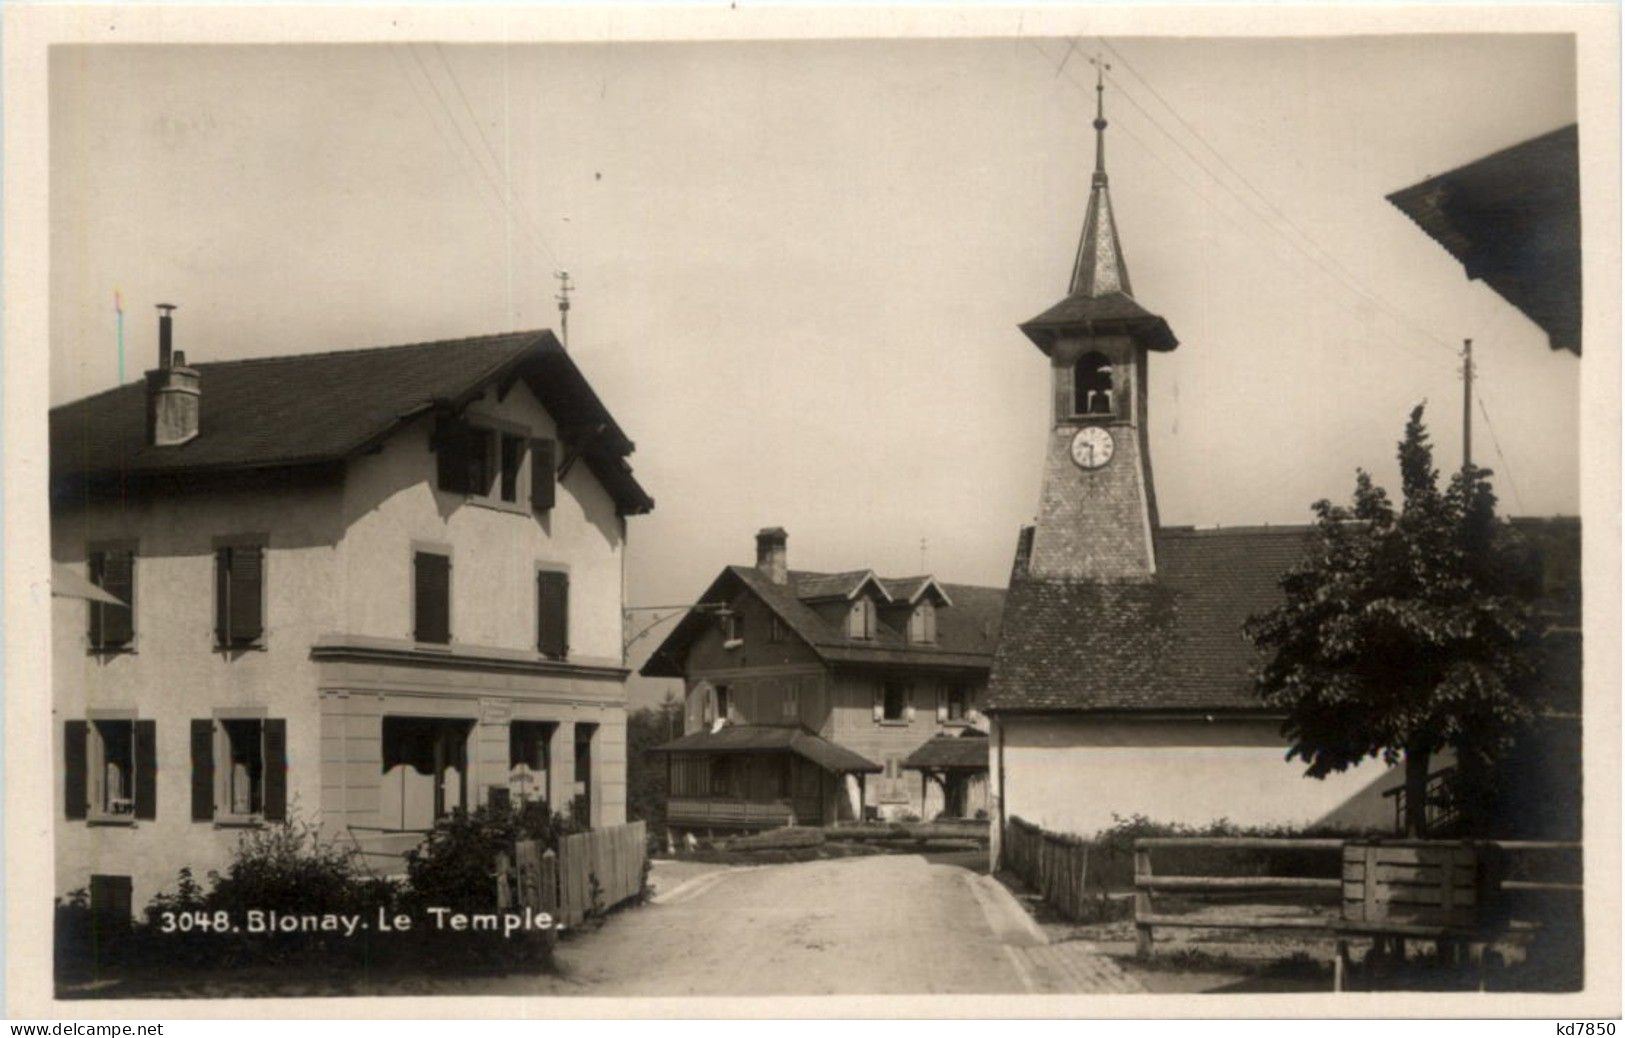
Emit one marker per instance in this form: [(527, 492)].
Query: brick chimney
[(173, 390), (772, 560)]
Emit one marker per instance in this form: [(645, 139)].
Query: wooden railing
[(1147, 882), (720, 812), (1441, 812), (1329, 889)]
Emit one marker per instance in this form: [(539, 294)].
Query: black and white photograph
[(1053, 506)]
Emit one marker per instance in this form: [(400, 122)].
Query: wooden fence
[(562, 883), (1052, 864), (1499, 884)]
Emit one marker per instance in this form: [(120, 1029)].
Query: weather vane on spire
[(1101, 68)]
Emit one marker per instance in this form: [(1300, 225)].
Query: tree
[(1404, 632), (647, 728)]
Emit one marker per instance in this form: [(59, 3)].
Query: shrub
[(455, 866)]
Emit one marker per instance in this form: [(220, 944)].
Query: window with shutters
[(240, 778), (513, 457), (431, 597), (112, 568), (956, 704), (489, 462), (239, 594), (894, 702), (112, 770), (553, 613), (775, 630), (860, 619), (922, 624)]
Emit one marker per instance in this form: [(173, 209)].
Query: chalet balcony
[(757, 777)]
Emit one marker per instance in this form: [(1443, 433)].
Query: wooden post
[(1142, 902), (550, 883), (504, 896)]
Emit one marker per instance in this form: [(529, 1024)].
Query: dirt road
[(887, 924)]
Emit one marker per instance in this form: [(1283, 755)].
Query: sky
[(799, 266)]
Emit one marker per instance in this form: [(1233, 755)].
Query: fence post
[(550, 883), (1142, 902), (504, 897)]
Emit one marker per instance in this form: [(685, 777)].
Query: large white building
[(365, 587)]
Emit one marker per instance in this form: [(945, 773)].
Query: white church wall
[(1073, 774)]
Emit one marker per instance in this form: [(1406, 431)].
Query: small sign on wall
[(495, 711)]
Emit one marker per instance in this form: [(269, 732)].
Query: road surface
[(883, 924)]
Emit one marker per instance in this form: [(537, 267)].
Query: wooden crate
[(1411, 884)]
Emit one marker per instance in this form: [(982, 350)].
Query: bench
[(1400, 889)]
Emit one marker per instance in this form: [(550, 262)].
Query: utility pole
[(1466, 403), (565, 288)]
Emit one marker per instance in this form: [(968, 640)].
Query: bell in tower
[(1098, 511)]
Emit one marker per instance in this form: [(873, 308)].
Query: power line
[(1354, 279), (491, 151), (1331, 272), (1495, 441), (1087, 88), (485, 174)]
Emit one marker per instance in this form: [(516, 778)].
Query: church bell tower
[(1098, 508)]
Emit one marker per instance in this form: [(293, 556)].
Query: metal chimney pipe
[(166, 335)]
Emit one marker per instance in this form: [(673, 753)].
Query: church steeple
[(1099, 268)]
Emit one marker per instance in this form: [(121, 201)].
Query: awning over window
[(763, 738)]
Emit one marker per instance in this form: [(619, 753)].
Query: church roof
[(1100, 300), (1112, 314), (1175, 644)]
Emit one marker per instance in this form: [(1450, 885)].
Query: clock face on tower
[(1092, 447)]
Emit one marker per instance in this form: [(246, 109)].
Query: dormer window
[(860, 619), (1092, 385), (922, 623)]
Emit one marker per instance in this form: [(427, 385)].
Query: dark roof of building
[(314, 408), (765, 738), (1513, 220), (967, 752), (1114, 313), (1176, 643), (967, 630)]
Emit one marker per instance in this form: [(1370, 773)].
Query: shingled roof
[(1512, 219), (767, 738), (967, 630), (315, 408), (1176, 643)]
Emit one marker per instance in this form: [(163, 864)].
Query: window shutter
[(553, 613), (202, 769), (431, 579), (942, 704), (543, 466), (146, 769), (880, 702), (75, 798), (451, 443), (247, 566), (222, 596), (276, 770), (95, 567), (118, 580)]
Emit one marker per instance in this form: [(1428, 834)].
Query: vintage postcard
[(544, 511)]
